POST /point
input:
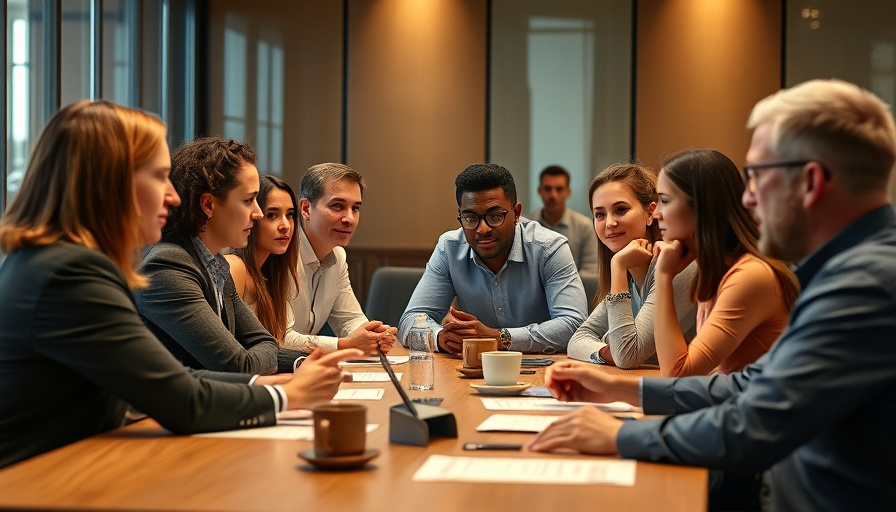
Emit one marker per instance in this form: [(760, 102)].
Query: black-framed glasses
[(748, 173), (470, 220)]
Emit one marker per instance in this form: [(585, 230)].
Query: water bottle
[(421, 346)]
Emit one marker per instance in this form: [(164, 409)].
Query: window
[(112, 49), (253, 67), (561, 86)]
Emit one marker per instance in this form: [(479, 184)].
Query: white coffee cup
[(501, 368)]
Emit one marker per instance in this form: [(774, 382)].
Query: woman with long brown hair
[(264, 271), (619, 331), (743, 297), (73, 350)]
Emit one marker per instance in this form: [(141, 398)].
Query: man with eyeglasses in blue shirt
[(514, 280)]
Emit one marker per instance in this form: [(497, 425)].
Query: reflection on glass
[(560, 93), (856, 42), (561, 109), (76, 52), (270, 107), (254, 65), (234, 82), (119, 74), (19, 100), (35, 71)]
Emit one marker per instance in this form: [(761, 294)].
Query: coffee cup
[(473, 349), (501, 368), (339, 429)]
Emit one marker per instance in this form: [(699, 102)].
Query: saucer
[(339, 463), (471, 373), (514, 389)]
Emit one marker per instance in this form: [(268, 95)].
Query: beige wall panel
[(701, 66), (416, 112)]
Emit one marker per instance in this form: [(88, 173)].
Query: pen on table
[(492, 446)]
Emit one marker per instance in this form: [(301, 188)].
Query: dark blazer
[(74, 353), (180, 308), (818, 411)]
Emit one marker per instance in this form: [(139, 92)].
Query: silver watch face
[(505, 339)]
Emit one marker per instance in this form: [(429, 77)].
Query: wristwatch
[(505, 339)]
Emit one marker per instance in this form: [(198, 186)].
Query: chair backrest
[(590, 284), (390, 292)]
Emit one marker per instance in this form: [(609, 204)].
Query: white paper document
[(550, 404), (375, 361), (373, 376), (516, 423), (360, 394), (287, 432), (444, 468)]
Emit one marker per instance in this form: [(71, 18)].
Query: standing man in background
[(553, 187)]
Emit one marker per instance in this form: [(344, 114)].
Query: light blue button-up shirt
[(537, 295)]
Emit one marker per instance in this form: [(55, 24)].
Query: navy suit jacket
[(819, 409)]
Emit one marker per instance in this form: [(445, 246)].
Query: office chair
[(390, 291)]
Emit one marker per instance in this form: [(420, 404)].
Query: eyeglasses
[(469, 220), (748, 173)]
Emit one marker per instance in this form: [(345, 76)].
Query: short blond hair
[(847, 129), (79, 183)]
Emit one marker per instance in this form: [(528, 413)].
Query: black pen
[(492, 446)]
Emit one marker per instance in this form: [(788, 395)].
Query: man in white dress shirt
[(329, 212), (553, 187)]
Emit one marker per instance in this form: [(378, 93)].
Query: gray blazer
[(74, 353), (180, 308)]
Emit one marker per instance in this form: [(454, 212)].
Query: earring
[(205, 226)]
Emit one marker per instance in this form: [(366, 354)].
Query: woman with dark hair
[(265, 270), (743, 297), (191, 303), (619, 331), (73, 351)]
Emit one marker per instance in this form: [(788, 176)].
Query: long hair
[(642, 182), (724, 229), (79, 183), (276, 280), (204, 165)]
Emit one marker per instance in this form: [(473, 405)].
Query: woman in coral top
[(743, 298)]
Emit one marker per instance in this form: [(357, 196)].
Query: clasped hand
[(369, 336), (458, 325)]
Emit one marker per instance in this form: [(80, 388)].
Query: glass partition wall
[(57, 52), (560, 90)]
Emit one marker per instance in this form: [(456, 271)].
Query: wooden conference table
[(144, 467)]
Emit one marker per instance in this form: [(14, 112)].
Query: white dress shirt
[(325, 295)]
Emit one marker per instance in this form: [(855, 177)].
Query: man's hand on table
[(459, 325)]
